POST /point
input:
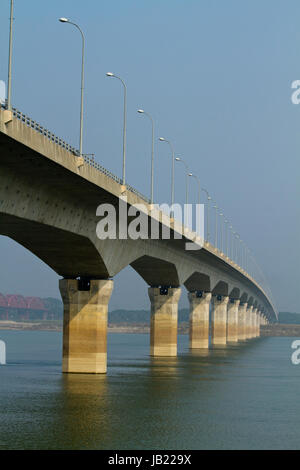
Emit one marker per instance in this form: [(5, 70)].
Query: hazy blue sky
[(215, 75)]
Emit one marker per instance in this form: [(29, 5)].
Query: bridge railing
[(58, 141)]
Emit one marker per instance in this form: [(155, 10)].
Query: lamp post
[(208, 204), (178, 159), (207, 214), (10, 55), (230, 242), (216, 226), (226, 236), (233, 246), (241, 253), (237, 236), (65, 20), (141, 111), (199, 186), (162, 139), (110, 74), (221, 231)]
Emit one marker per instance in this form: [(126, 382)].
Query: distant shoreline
[(278, 329), (57, 327)]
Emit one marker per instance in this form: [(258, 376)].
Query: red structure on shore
[(21, 306)]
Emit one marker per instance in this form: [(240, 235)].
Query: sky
[(215, 75)]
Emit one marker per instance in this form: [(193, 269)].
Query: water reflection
[(200, 352), (166, 366), (215, 398)]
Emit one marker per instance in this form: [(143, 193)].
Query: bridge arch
[(234, 293), (244, 297), (68, 254), (198, 282), (221, 288), (156, 272)]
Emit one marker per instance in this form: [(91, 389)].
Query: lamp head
[(141, 111), (109, 74), (191, 174), (64, 20), (162, 139), (177, 159)]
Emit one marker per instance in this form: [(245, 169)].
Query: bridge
[(49, 195)]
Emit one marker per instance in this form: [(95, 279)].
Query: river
[(241, 397)]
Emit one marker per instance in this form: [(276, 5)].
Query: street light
[(178, 159), (141, 111), (110, 74), (162, 139), (241, 253), (10, 56), (66, 20), (226, 235), (208, 204), (221, 227), (237, 236), (207, 213), (216, 226), (230, 243), (199, 186)]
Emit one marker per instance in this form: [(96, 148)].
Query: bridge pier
[(85, 325), (258, 322), (199, 319), (248, 331), (164, 320), (242, 322), (254, 315), (232, 320), (219, 320)]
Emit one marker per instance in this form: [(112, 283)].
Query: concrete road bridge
[(48, 201)]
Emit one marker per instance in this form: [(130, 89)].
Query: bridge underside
[(68, 254)]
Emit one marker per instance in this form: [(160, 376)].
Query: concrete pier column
[(219, 320), (242, 322), (232, 320), (258, 322), (85, 325), (254, 322), (249, 322), (164, 319), (199, 319)]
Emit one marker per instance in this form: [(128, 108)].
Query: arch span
[(198, 281), (156, 272), (68, 254)]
